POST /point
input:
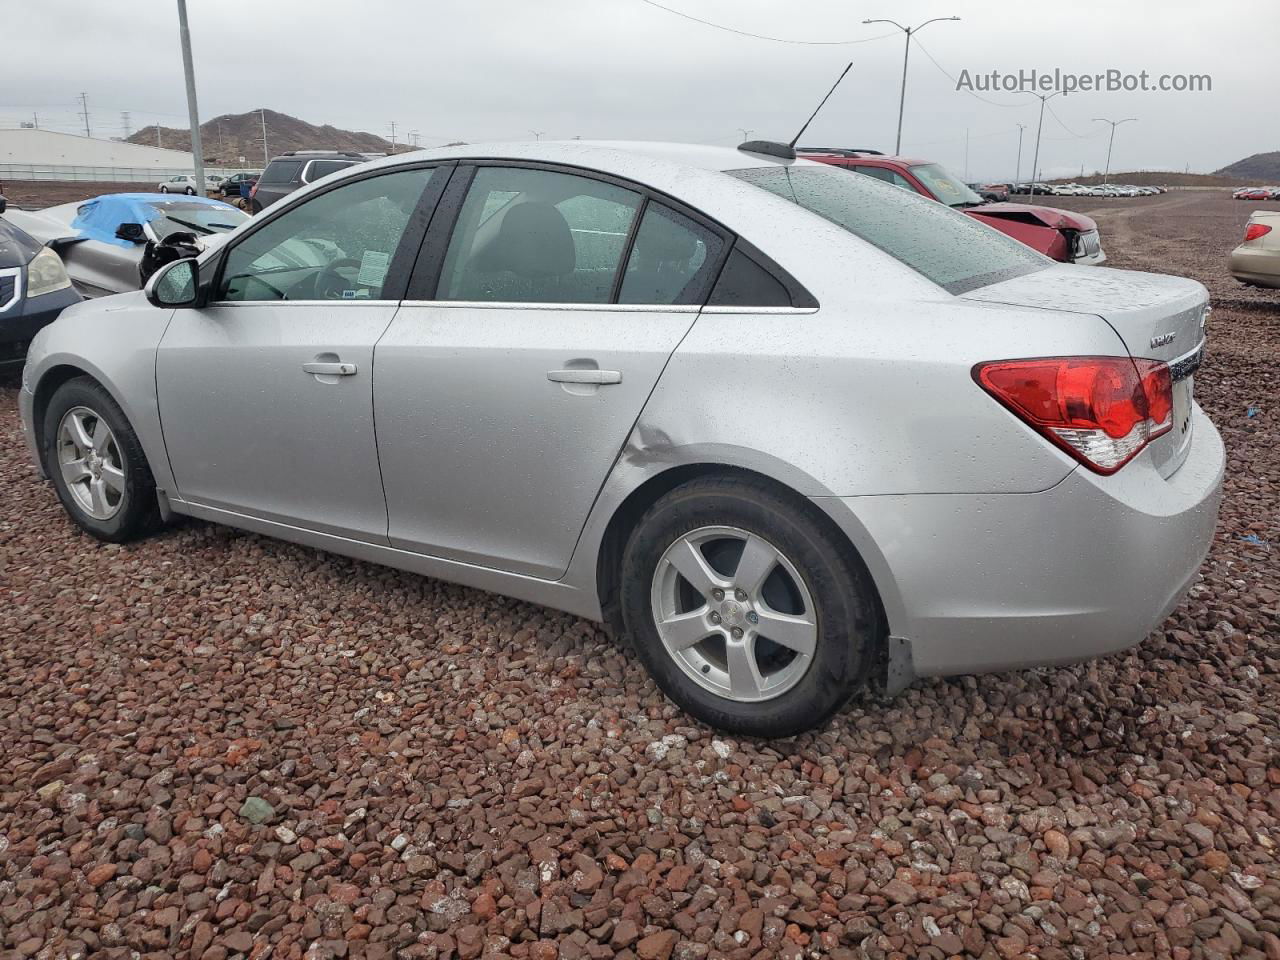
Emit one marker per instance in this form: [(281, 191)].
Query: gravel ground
[(214, 745)]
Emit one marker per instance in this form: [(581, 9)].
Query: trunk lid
[(1156, 317)]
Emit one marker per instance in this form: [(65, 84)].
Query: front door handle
[(584, 376), (329, 368)]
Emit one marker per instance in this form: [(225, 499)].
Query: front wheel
[(190, 192), (97, 464), (747, 610), (164, 189)]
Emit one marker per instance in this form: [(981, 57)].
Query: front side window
[(885, 174), (336, 246), (671, 261), (281, 171), (322, 168), (537, 236), (942, 245)]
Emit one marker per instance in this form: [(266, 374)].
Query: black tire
[(164, 189), (844, 598), (138, 512), (190, 191)]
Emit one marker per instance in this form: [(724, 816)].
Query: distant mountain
[(227, 138), (1259, 167)]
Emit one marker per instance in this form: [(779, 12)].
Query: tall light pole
[(193, 111), (265, 160), (1017, 170), (1035, 163), (1111, 142), (537, 134), (746, 133), (906, 54)]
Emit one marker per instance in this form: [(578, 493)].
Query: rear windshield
[(281, 171), (943, 245)]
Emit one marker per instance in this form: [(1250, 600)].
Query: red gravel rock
[(443, 773)]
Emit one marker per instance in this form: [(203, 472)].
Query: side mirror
[(132, 232), (173, 285)]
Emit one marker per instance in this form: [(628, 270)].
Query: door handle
[(584, 376), (328, 368)]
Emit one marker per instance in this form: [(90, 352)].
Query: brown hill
[(227, 138), (1261, 167)]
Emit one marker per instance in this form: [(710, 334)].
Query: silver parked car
[(789, 428)]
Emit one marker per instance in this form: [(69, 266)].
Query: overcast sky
[(498, 69)]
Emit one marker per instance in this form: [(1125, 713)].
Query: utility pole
[(1035, 164), (124, 122), (746, 133), (35, 121), (537, 134), (1111, 142), (1017, 170), (193, 111), (158, 143), (265, 159), (222, 144), (906, 54), (393, 136), (84, 112)]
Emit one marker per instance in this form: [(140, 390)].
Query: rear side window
[(281, 171), (671, 261), (322, 168), (744, 283), (940, 244), (537, 236)]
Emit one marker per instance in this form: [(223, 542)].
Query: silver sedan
[(790, 429)]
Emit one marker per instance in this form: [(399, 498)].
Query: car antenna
[(787, 151)]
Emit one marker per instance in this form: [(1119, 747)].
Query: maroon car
[(1060, 234)]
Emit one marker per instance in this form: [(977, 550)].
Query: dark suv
[(289, 171)]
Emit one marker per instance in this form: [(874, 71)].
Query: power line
[(947, 73), (761, 36)]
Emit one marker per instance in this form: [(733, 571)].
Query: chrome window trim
[(16, 273), (780, 311), (353, 302), (521, 305)]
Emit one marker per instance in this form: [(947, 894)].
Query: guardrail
[(73, 173)]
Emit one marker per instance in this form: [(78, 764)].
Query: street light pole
[(906, 55), (1035, 163), (193, 111), (1017, 170), (1110, 143)]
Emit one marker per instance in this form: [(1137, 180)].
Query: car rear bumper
[(977, 583), (1258, 266)]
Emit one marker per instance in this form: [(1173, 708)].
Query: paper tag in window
[(373, 268)]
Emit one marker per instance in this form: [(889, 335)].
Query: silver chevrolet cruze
[(789, 428)]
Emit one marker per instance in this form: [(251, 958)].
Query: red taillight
[(1256, 230), (1101, 410)]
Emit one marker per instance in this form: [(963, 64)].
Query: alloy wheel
[(734, 613), (89, 458)]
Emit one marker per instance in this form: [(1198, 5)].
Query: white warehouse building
[(30, 154)]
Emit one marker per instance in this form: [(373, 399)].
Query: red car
[(1253, 193), (1060, 234)]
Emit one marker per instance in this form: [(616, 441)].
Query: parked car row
[(695, 392), (1090, 190), (1257, 193)]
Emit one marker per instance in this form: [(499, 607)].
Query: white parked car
[(188, 184)]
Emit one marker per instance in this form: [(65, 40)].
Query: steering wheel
[(331, 280)]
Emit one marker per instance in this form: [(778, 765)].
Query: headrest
[(533, 241)]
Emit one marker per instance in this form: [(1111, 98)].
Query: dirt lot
[(215, 745)]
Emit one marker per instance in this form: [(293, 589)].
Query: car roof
[(869, 158)]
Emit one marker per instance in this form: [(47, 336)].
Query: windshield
[(953, 250), (200, 218), (945, 187)]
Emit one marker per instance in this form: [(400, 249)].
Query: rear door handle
[(329, 368), (584, 376)]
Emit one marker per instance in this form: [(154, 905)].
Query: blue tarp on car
[(99, 218)]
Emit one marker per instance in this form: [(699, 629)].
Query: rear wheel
[(97, 464), (164, 189), (746, 610), (190, 191)]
